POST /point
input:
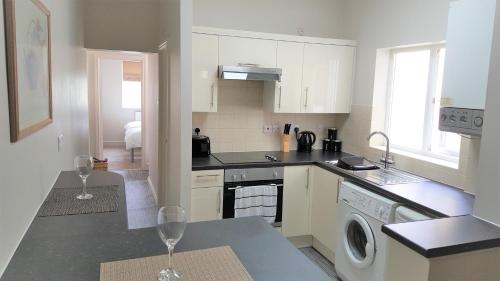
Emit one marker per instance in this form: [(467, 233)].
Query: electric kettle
[(305, 141)]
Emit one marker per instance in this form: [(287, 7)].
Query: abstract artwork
[(27, 29)]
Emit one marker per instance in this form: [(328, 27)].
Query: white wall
[(488, 190), (126, 25), (320, 18), (114, 117), (175, 86), (29, 167)]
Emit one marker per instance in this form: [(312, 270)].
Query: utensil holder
[(285, 143)]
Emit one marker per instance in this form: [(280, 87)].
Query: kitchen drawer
[(207, 178)]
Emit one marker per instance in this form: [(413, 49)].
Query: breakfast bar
[(73, 247)]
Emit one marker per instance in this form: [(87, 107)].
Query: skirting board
[(153, 190), (301, 241), (322, 249)]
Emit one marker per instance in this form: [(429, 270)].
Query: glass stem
[(84, 180), (170, 257)]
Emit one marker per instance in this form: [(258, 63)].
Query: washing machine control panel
[(373, 205)]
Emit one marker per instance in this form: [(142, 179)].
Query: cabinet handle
[(307, 185), (307, 97), (279, 101), (212, 89), (339, 182), (206, 176), (219, 199)]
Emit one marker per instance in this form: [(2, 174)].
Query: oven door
[(229, 194)]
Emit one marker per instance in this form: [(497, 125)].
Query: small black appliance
[(332, 133), (201, 145), (305, 140)]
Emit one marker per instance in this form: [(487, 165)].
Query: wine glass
[(83, 165), (171, 225)]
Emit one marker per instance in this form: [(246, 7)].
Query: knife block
[(285, 143)]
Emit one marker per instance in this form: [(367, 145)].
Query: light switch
[(60, 139)]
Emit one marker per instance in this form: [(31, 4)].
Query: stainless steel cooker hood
[(249, 72)]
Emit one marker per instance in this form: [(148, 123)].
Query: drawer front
[(207, 178)]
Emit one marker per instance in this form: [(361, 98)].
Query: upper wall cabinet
[(238, 50), (285, 96), (327, 78), (205, 72)]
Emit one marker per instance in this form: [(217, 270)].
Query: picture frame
[(29, 72)]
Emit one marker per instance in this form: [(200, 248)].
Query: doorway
[(123, 116)]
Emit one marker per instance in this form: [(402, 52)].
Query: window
[(132, 85), (131, 94), (414, 92)]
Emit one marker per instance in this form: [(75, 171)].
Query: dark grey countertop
[(206, 163), (446, 236), (452, 205), (72, 247)]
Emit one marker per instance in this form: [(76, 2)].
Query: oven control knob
[(243, 177), (234, 177), (275, 174)]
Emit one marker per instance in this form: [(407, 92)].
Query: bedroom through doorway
[(123, 124)]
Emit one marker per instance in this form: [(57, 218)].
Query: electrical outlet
[(267, 129), (292, 128), (276, 128), (60, 140)]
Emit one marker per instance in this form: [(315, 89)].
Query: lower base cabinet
[(206, 204), (324, 200), (296, 185)]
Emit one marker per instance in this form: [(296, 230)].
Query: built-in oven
[(238, 178)]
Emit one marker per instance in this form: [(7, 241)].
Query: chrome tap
[(387, 161)]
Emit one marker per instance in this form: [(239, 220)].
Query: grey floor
[(141, 206), (321, 262)]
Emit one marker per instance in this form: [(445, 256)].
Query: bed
[(133, 137)]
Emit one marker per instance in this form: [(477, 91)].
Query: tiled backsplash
[(238, 124)]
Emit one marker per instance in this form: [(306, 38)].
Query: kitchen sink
[(383, 176)]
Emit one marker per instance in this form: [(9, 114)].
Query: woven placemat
[(63, 201), (215, 264)]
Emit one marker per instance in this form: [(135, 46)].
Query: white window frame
[(429, 106)]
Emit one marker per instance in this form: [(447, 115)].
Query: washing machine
[(360, 250)]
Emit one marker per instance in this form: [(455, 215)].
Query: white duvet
[(133, 136)]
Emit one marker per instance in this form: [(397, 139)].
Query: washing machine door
[(359, 242)]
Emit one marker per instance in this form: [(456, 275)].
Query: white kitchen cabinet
[(206, 195), (238, 50), (285, 96), (324, 201), (296, 185), (205, 72), (206, 203), (327, 78)]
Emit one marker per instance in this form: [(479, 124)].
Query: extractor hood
[(249, 72)]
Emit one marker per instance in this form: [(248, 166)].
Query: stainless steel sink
[(383, 176)]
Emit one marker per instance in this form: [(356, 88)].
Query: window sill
[(416, 156)]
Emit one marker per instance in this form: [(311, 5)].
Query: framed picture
[(27, 29)]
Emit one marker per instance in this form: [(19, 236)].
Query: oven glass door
[(229, 194)]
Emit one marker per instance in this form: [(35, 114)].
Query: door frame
[(94, 58)]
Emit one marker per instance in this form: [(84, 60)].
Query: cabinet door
[(236, 50), (327, 78), (289, 90), (206, 204), (295, 220), (324, 200), (205, 72)]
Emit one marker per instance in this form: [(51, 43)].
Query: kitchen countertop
[(447, 236), (206, 163), (430, 238), (72, 247)]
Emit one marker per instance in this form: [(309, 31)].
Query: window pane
[(442, 142), (131, 94), (409, 96)]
